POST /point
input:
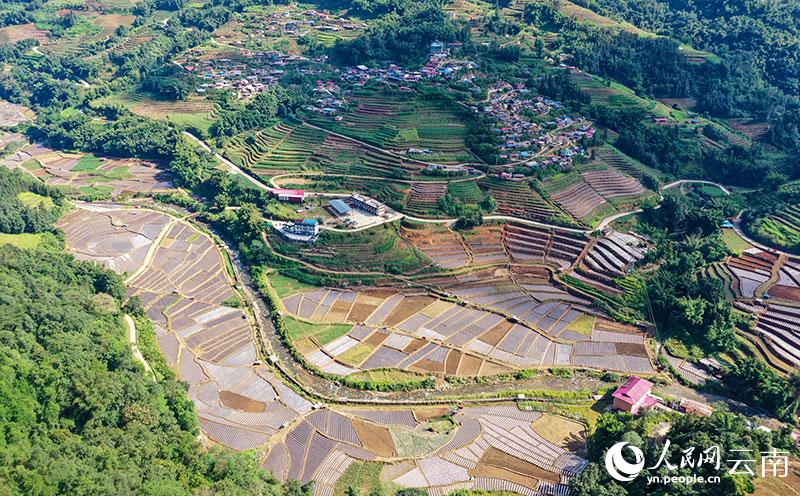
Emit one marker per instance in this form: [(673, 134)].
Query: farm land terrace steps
[(609, 258), (210, 345), (245, 407), (298, 147), (594, 193), (85, 173), (744, 274), (430, 336), (518, 199), (779, 325)]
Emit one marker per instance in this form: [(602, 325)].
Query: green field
[(781, 229), (24, 240), (378, 249), (323, 333), (33, 200), (88, 162), (734, 241)]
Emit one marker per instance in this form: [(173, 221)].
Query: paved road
[(687, 181), (232, 168), (603, 223)]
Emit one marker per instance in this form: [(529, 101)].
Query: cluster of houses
[(523, 139), (297, 23), (253, 73), (439, 64)]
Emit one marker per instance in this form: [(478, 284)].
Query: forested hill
[(768, 30), (758, 42), (78, 415)]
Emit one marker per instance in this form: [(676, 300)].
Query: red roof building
[(633, 395), (291, 195)]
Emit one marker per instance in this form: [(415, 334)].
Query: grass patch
[(384, 375), (32, 164), (323, 333), (734, 241), (32, 200), (193, 237), (332, 333), (88, 162), (24, 240), (355, 355), (365, 477), (710, 190), (233, 302), (285, 286), (584, 324)]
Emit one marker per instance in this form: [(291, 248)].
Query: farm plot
[(577, 197), (238, 405), (416, 332), (779, 326), (290, 148), (607, 95), (614, 186), (12, 114), (531, 244), (439, 243), (615, 159), (610, 257), (745, 274), (781, 228), (424, 198), (114, 237), (86, 174), (496, 448), (788, 285), (517, 199), (375, 249), (19, 32), (401, 125), (691, 372), (485, 245)]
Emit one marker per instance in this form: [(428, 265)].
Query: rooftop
[(633, 390)]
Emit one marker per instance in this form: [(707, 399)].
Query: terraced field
[(521, 322), (401, 125), (781, 228), (612, 158), (12, 114), (744, 274), (466, 192), (439, 243), (609, 258), (424, 199), (577, 197), (517, 199), (594, 193), (779, 325), (285, 148), (81, 173), (379, 249), (532, 244)]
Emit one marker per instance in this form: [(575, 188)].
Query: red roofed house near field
[(292, 195), (633, 395)]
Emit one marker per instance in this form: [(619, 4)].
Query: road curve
[(603, 223), (686, 181)]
